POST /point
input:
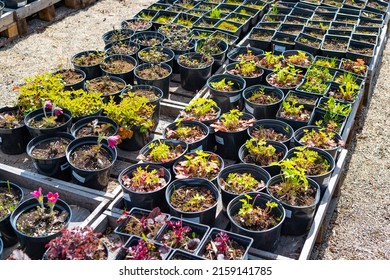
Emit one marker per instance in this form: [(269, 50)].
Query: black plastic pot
[(137, 141), (95, 179), (266, 240), (162, 13), (125, 34), (1, 241), (199, 229), (257, 172), (189, 48), (277, 125), (244, 241), (254, 13), (262, 111), (7, 233), (91, 71), (238, 27), (174, 31), (57, 167), (321, 180), (284, 89), (249, 81), (353, 55), (319, 115), (272, 170), (145, 200), (227, 100), (142, 37), (167, 51), (197, 145), (110, 50), (162, 83), (107, 96), (88, 122), (219, 58), (233, 55), (206, 217), (15, 4), (194, 79), (298, 134), (295, 124), (183, 255), (127, 76), (13, 141), (282, 42), (228, 143), (96, 114), (34, 247), (287, 54), (312, 48), (77, 85), (261, 44), (158, 92), (137, 213), (38, 114), (298, 218), (148, 26), (305, 98), (334, 53), (172, 143)]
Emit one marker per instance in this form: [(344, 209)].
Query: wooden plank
[(33, 8), (11, 31), (6, 20), (22, 26), (73, 4), (323, 207), (47, 14)]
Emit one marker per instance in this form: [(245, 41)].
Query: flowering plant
[(51, 199), (49, 120), (180, 237)]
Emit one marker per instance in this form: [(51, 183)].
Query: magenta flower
[(113, 140), (38, 195), (58, 111), (48, 105), (51, 200)]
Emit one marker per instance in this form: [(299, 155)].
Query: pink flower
[(113, 140), (48, 105), (37, 193), (58, 111), (52, 197)]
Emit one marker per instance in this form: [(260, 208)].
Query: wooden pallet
[(14, 22)]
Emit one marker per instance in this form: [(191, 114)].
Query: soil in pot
[(188, 133), (201, 109), (143, 180), (89, 59), (70, 76), (268, 134), (335, 45), (161, 152), (117, 66), (50, 149), (190, 199), (294, 111), (137, 24), (10, 119), (105, 85), (9, 199), (127, 48), (261, 153), (155, 54), (153, 72), (286, 77), (90, 157), (94, 128)]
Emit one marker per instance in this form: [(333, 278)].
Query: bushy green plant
[(200, 109)]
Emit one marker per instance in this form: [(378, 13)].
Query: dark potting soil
[(41, 223), (301, 198), (90, 157), (190, 199), (153, 73), (105, 86), (335, 44), (11, 119), (90, 59), (70, 76), (9, 199), (258, 219), (94, 130), (50, 149)]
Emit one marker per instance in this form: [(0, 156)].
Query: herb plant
[(239, 183)]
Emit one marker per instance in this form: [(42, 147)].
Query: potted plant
[(88, 61), (259, 216), (13, 132), (319, 137), (214, 47), (194, 133), (331, 113), (134, 116), (156, 54), (137, 24), (298, 195), (247, 69), (94, 126), (137, 248), (194, 199), (91, 159), (364, 51), (182, 235), (263, 153), (117, 35), (225, 245), (179, 46), (11, 195), (140, 222), (274, 130), (119, 65), (335, 46), (163, 152), (328, 62), (262, 102), (308, 43), (348, 91), (155, 75), (357, 67), (108, 86), (316, 164), (125, 47), (48, 119), (269, 62), (226, 90), (195, 70), (285, 78), (299, 59), (244, 53), (147, 39), (38, 220), (73, 79), (201, 164), (144, 185), (79, 243), (240, 178), (261, 38), (295, 114), (47, 153), (174, 30), (229, 38), (230, 131)]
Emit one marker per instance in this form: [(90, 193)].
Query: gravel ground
[(360, 226)]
